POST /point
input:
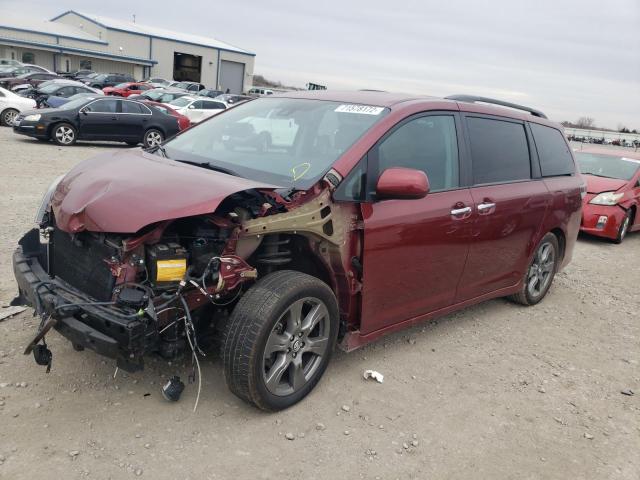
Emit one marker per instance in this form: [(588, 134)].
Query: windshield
[(181, 102), (282, 141), (100, 77), (49, 88), (122, 85), (607, 165)]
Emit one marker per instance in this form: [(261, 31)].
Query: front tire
[(64, 134), (8, 117), (152, 138), (279, 339), (624, 228), (540, 273)]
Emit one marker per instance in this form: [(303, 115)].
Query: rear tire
[(540, 272), (152, 138), (63, 134), (624, 227), (279, 339), (8, 116)]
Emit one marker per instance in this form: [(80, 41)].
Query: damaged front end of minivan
[(127, 269)]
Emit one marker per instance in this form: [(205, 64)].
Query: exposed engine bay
[(169, 288)]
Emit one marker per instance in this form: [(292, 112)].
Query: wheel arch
[(55, 123), (562, 240)]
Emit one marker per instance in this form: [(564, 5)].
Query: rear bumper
[(107, 330), (592, 216)]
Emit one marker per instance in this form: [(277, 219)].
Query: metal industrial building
[(75, 40)]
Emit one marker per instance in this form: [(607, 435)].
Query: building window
[(28, 57), (85, 64)]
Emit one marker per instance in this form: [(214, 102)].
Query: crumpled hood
[(121, 192), (602, 184)]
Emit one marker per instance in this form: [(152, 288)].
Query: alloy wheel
[(541, 270), (295, 347), (154, 138), (625, 227), (10, 117), (65, 135)]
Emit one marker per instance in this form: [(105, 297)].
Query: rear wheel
[(63, 134), (152, 138), (624, 227), (542, 269), (279, 339), (8, 117)]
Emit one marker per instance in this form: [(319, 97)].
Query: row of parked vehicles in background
[(87, 105), (616, 142)]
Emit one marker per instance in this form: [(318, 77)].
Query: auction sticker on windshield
[(361, 109)]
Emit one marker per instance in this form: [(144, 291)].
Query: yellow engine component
[(171, 270)]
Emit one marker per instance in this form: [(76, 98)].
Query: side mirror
[(191, 107), (402, 183), (84, 111)]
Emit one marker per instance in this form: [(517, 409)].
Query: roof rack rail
[(493, 101)]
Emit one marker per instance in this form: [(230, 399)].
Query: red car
[(183, 121), (126, 89), (613, 192), (348, 217)]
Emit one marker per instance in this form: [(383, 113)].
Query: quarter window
[(555, 157), (428, 144), (499, 151)]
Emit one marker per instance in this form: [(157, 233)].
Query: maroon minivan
[(291, 223)]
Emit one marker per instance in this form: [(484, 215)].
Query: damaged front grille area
[(80, 260)]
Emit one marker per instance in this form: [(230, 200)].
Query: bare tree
[(585, 122)]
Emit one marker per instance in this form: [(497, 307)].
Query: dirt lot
[(497, 391)]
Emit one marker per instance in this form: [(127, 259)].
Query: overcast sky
[(566, 57)]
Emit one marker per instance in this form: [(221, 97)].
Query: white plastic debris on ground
[(372, 374)]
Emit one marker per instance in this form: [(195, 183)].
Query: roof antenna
[(134, 18)]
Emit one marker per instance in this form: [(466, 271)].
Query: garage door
[(231, 76)]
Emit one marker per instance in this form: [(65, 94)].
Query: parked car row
[(617, 142), (99, 118)]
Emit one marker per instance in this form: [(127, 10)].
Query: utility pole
[(134, 18)]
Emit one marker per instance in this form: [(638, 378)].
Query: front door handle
[(460, 212), (486, 207)]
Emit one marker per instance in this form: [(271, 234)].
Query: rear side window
[(213, 105), (555, 157), (424, 143), (131, 107), (499, 151)]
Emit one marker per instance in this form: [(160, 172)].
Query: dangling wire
[(189, 329)]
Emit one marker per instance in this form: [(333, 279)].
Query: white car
[(158, 81), (11, 105), (260, 92), (197, 109)]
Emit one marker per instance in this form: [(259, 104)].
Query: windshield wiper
[(596, 175), (211, 166), (159, 148)]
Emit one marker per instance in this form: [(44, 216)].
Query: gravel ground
[(496, 391)]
